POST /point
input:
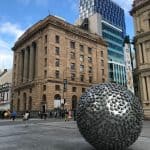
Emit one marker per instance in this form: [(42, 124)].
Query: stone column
[(32, 63), (144, 53), (25, 70), (140, 55), (148, 87), (143, 92)]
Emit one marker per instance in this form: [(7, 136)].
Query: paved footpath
[(53, 134)]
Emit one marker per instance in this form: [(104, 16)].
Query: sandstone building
[(54, 63), (141, 15)]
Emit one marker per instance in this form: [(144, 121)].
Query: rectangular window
[(81, 68), (44, 87), (45, 39), (90, 69), (102, 54), (89, 50), (102, 62), (74, 89), (149, 23), (57, 39), (57, 87), (72, 45), (45, 62), (45, 74), (57, 50), (83, 90), (81, 58), (90, 79), (73, 77), (72, 54), (90, 59), (102, 72), (72, 66), (81, 78), (57, 74), (45, 50), (81, 48), (57, 62), (103, 80)]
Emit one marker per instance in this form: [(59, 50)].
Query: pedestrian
[(66, 115), (26, 117), (13, 115)]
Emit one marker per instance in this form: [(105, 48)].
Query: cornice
[(139, 6), (58, 23)]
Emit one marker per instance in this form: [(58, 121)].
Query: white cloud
[(125, 4), (9, 33), (11, 29)]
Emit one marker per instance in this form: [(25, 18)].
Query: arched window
[(18, 105), (24, 101), (30, 104), (74, 102), (57, 101)]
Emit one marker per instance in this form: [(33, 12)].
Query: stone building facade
[(141, 15), (54, 63)]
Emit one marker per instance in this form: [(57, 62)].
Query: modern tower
[(106, 18)]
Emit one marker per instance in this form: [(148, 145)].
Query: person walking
[(26, 117), (13, 115)]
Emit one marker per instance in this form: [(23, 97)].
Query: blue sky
[(17, 15)]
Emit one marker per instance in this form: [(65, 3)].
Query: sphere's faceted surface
[(109, 117)]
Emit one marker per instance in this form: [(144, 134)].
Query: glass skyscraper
[(112, 29)]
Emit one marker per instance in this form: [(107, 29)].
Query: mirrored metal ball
[(109, 117)]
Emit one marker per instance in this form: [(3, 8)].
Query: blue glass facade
[(113, 31)]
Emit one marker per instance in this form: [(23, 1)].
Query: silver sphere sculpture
[(109, 117)]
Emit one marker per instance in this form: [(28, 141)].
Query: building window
[(72, 54), (72, 66), (72, 45), (74, 89), (90, 59), (30, 90), (45, 62), (81, 58), (81, 48), (90, 79), (102, 72), (102, 62), (57, 74), (81, 78), (103, 80), (73, 76), (149, 23), (44, 87), (102, 54), (81, 68), (57, 50), (45, 74), (18, 92), (45, 39), (83, 90), (57, 62), (57, 39), (18, 105), (57, 87), (45, 50), (90, 69), (89, 50)]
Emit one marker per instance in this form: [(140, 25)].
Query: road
[(53, 134)]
